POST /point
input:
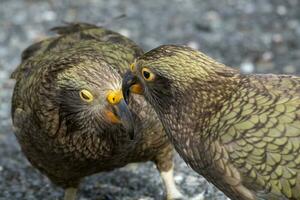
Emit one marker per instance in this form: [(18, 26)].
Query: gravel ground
[(254, 35)]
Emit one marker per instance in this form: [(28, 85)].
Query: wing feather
[(262, 133), (69, 36)]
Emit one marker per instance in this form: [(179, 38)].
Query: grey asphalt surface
[(254, 35)]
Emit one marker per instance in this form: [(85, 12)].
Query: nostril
[(114, 97)]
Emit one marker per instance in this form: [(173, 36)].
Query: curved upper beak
[(124, 116), (130, 84)]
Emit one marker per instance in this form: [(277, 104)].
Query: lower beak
[(125, 117), (130, 84)]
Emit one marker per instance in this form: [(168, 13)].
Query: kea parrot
[(239, 131), (68, 111)]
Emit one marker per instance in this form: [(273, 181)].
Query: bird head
[(175, 76), (91, 99), (163, 73)]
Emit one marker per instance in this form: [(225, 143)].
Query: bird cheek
[(137, 88), (111, 117)]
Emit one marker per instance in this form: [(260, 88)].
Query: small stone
[(49, 15), (212, 16), (178, 178), (247, 67), (145, 198), (32, 34), (289, 69), (277, 38), (125, 32), (294, 24), (281, 10), (191, 180), (267, 56), (3, 76), (214, 19), (193, 44)]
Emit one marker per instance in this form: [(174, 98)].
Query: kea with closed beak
[(68, 111), (241, 132)]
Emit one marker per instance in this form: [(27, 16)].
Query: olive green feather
[(241, 132), (66, 138)]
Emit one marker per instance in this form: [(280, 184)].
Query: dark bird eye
[(85, 95), (147, 74)]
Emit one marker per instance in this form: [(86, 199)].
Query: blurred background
[(257, 36)]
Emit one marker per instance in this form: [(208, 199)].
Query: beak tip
[(126, 118), (128, 80), (126, 96)]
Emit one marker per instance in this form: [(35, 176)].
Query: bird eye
[(132, 67), (147, 74), (85, 95)]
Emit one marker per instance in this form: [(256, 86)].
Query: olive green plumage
[(65, 137), (241, 132)]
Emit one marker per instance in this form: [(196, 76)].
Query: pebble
[(178, 178), (289, 69), (49, 15), (267, 56), (281, 10), (247, 67), (125, 32), (193, 44), (191, 180), (277, 38)]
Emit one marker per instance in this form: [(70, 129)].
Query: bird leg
[(172, 192), (171, 189), (70, 193)]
